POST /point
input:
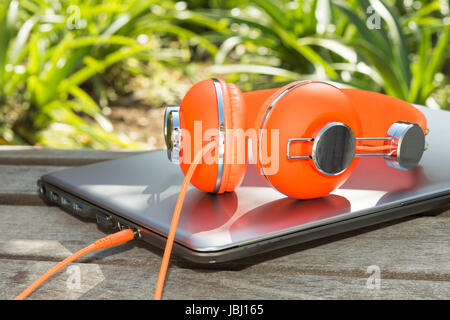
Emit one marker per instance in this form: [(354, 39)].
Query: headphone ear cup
[(199, 113), (235, 141), (299, 111), (206, 104)]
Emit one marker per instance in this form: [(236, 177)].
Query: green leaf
[(373, 37), (272, 9), (419, 66), (438, 57), (183, 34), (87, 72), (244, 68), (398, 38), (8, 16), (336, 46), (21, 40), (377, 48)]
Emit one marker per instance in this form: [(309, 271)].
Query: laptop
[(140, 192)]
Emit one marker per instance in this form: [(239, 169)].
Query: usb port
[(54, 196), (66, 201), (122, 226), (42, 190), (78, 207), (105, 221)]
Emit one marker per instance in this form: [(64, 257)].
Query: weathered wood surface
[(18, 155), (18, 183), (412, 254)]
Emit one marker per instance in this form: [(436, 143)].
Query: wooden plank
[(138, 282), (24, 155), (442, 212), (445, 213), (18, 184), (412, 249)]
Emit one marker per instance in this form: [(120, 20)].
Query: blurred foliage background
[(86, 73)]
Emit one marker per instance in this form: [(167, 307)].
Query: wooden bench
[(412, 254)]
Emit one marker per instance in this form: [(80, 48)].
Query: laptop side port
[(42, 190), (122, 226), (106, 222), (54, 196), (78, 207), (65, 201)]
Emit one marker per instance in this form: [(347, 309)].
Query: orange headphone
[(306, 136)]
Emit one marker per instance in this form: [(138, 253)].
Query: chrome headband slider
[(334, 147), (410, 141)]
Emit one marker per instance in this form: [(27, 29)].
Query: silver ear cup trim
[(221, 146), (172, 133)]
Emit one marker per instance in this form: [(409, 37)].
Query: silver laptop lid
[(144, 189)]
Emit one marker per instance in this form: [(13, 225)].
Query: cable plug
[(114, 239)]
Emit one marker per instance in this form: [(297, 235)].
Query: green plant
[(62, 60), (51, 50), (265, 42), (407, 60), (278, 30), (320, 39)]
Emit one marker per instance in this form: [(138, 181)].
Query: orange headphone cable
[(176, 217), (128, 234), (108, 241), (375, 148)]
